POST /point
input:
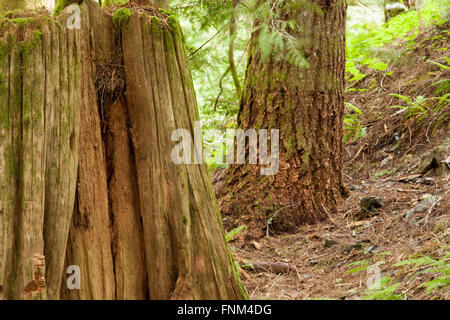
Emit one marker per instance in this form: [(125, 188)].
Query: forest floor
[(397, 161)]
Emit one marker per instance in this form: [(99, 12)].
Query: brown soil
[(324, 272), (319, 255)]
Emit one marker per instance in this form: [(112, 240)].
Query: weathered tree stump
[(86, 177)]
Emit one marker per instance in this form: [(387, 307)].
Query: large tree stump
[(86, 175)]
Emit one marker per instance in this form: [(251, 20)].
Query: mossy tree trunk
[(86, 175), (40, 99), (307, 106)]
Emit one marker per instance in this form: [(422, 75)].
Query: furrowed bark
[(90, 240), (62, 132), (41, 159)]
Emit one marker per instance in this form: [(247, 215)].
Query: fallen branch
[(273, 267)]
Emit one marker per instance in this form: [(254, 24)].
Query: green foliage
[(386, 291), (205, 27), (427, 265), (444, 67), (234, 232), (38, 35), (369, 46), (358, 266), (437, 271), (416, 107), (434, 107), (22, 21), (277, 26), (353, 128), (121, 17), (366, 42), (422, 108), (444, 84), (60, 5)]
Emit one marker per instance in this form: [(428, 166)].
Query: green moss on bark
[(121, 17)]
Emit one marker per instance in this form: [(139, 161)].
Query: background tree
[(295, 83)]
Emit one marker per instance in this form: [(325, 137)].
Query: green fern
[(427, 265), (353, 125), (385, 292), (234, 232)]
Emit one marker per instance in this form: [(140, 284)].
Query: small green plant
[(381, 173), (444, 84), (444, 67), (434, 108), (59, 6), (352, 124), (416, 107), (358, 266), (234, 232)]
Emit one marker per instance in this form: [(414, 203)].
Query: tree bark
[(86, 176), (307, 106), (40, 102)]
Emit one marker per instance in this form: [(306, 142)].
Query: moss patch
[(121, 17)]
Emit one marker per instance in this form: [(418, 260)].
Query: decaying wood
[(265, 266), (275, 267), (90, 182), (39, 133)]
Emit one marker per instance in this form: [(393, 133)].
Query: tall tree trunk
[(307, 106), (86, 176)]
